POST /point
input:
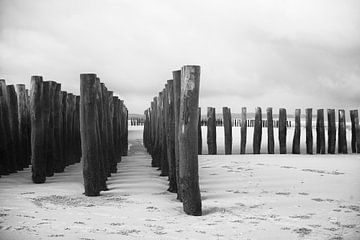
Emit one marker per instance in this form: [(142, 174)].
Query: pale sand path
[(244, 197)]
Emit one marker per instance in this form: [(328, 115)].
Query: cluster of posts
[(14, 128), (332, 131), (237, 122), (55, 129), (104, 133), (171, 136)]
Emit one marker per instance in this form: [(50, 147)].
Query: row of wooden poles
[(282, 128), (171, 136), (104, 133)]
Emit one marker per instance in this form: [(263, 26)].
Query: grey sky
[(303, 53)]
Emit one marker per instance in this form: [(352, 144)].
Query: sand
[(243, 196)]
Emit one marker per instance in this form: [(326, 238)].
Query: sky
[(269, 53)]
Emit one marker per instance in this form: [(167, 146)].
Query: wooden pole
[(188, 123), (14, 126), (164, 162), (297, 132), (257, 131), (199, 133), (331, 131), (227, 130), (48, 91), (211, 131), (342, 143), (270, 130), (282, 130), (309, 135), (23, 126), (38, 160), (353, 115), (320, 132), (57, 154), (89, 137), (243, 131), (177, 93), (357, 128)]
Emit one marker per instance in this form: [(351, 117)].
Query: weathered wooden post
[(282, 130), (297, 132), (331, 131), (199, 134), (270, 130), (357, 128), (211, 131), (257, 131), (342, 143), (177, 93), (104, 133), (38, 160), (14, 126), (163, 161), (58, 141), (89, 134), (227, 130), (353, 116), (320, 132), (64, 128), (48, 92), (188, 123), (309, 135), (243, 127), (23, 125), (114, 158)]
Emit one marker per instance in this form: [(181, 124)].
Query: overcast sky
[(292, 54)]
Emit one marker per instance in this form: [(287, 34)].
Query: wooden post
[(331, 131), (320, 132), (297, 132), (282, 130), (342, 143), (270, 130), (357, 128), (23, 126), (38, 160), (189, 176), (227, 130), (309, 135), (177, 93), (14, 126), (243, 131), (199, 133), (353, 116), (57, 154), (89, 135), (107, 162), (211, 131), (164, 162), (257, 131), (113, 157)]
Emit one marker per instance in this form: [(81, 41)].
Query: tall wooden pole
[(211, 131), (177, 93), (227, 130), (199, 133), (23, 126), (309, 135), (14, 126), (189, 176), (257, 131), (320, 132), (331, 131), (243, 131), (342, 143), (282, 130), (353, 116), (297, 132), (270, 130)]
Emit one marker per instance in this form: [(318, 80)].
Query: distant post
[(353, 117), (282, 130), (257, 131), (227, 130), (342, 143), (320, 132), (189, 103), (270, 130), (211, 131), (243, 127), (199, 134), (309, 135), (297, 132)]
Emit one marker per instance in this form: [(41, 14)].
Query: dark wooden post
[(342, 143), (64, 128), (227, 130), (353, 116), (57, 154), (297, 132), (177, 92), (243, 131), (189, 176), (199, 134), (107, 162), (89, 135), (309, 135), (23, 126), (270, 130), (257, 131), (282, 130), (357, 128), (164, 160), (211, 131), (320, 132), (113, 157), (14, 126), (331, 131), (38, 160), (48, 92)]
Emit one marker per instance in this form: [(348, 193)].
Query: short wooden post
[(353, 116), (297, 132), (38, 160), (270, 130), (199, 134), (227, 130), (320, 132), (211, 131), (309, 135), (282, 130), (243, 128), (89, 135), (257, 131), (342, 143), (331, 131), (189, 103), (177, 93)]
